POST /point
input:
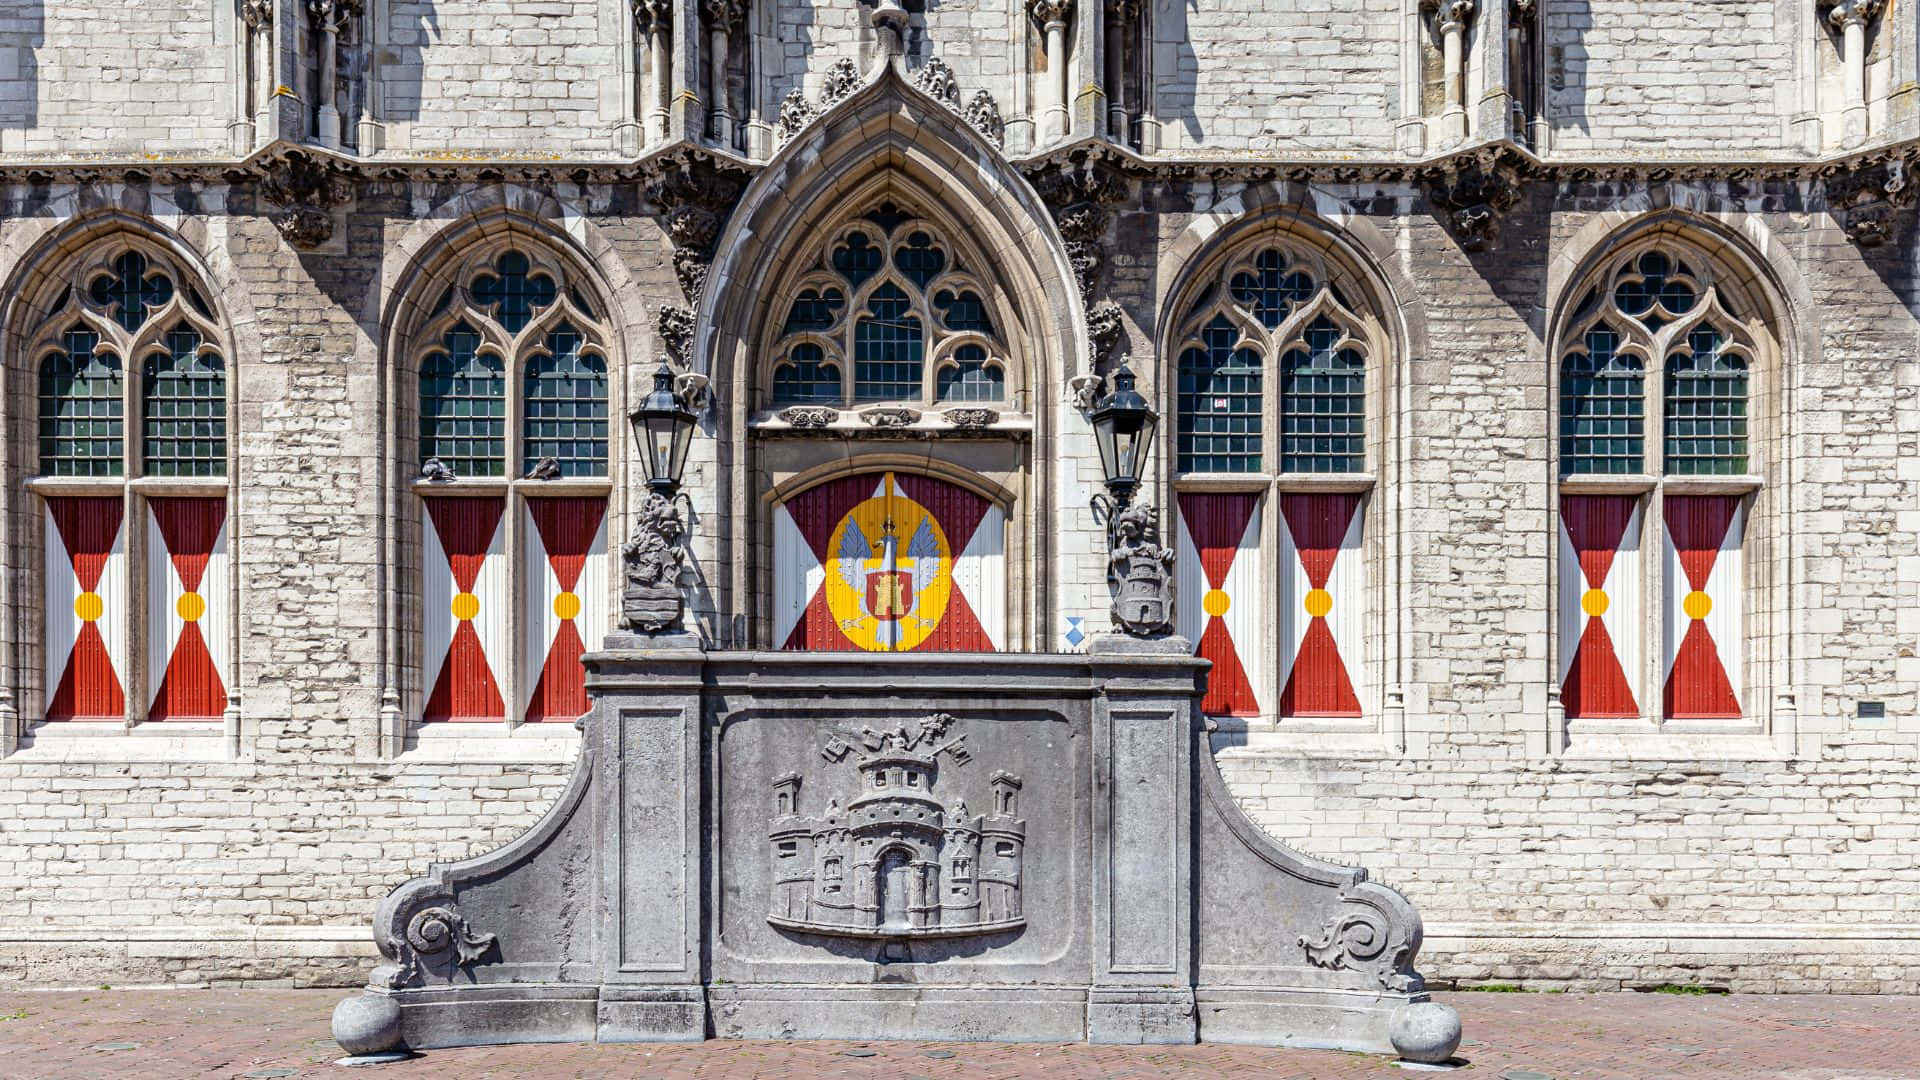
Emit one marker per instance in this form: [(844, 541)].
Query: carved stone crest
[(895, 862), (1140, 570), (809, 417), (651, 561)]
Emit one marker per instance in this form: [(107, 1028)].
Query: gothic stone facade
[(1539, 448)]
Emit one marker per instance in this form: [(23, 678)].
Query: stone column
[(1052, 16), (653, 21), (723, 18), (1851, 18), (1143, 731), (1119, 16), (647, 795), (257, 15), (1452, 17), (328, 16)]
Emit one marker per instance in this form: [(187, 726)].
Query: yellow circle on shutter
[(466, 606), (1697, 604), (1594, 602), (1216, 602), (88, 606), (1319, 602), (566, 606), (190, 607)]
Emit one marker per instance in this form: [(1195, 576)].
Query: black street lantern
[(1123, 426), (663, 427)]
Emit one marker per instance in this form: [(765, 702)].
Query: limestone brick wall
[(1716, 75), (479, 75), (115, 75), (1301, 77), (807, 38)]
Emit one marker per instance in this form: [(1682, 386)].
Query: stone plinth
[(821, 845)]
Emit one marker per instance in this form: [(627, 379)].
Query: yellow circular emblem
[(1216, 602), (889, 573), (1594, 602), (566, 606), (465, 606), (88, 606), (1697, 604), (190, 607), (1319, 602)]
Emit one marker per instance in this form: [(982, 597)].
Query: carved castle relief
[(894, 863)]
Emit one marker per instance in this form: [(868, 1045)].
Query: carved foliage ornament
[(937, 81), (983, 113), (1080, 196), (841, 81), (1360, 936), (809, 417), (693, 198), (306, 188), (430, 933), (1050, 12)]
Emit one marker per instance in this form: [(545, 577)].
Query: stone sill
[(493, 744), (1300, 483), (572, 485), (1637, 483), (83, 741)]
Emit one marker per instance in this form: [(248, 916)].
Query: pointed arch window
[(1689, 493), (136, 605), (1273, 582), (513, 429), (889, 312)]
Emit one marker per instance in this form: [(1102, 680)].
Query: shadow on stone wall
[(412, 26), (23, 27)]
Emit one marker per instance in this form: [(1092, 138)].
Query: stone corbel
[(1866, 197), (1470, 192), (692, 198), (306, 189), (1080, 195)]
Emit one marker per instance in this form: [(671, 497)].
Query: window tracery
[(889, 313), (512, 320), (1275, 309), (1664, 304)]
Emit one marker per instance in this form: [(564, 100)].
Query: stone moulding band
[(813, 845)]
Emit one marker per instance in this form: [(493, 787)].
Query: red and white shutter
[(1600, 605), (1218, 600), (466, 595), (187, 609), (86, 590), (1703, 605), (1322, 604), (565, 584), (950, 578)]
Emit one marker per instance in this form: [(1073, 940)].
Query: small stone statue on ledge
[(651, 601), (1141, 570)]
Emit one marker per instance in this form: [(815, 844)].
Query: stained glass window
[(1602, 409), (806, 376), (184, 407), (968, 377), (1322, 404), (887, 349), (1706, 406), (82, 426), (1220, 403), (513, 292), (566, 406), (463, 406)]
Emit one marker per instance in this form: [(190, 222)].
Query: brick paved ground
[(258, 1034)]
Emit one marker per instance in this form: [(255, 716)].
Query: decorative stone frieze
[(971, 419), (1472, 191), (307, 188), (809, 417), (890, 417), (1866, 198)]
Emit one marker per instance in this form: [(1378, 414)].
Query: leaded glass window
[(513, 292), (130, 292), (463, 405), (970, 376), (184, 398), (806, 376), (1706, 407), (1322, 404), (887, 349), (1220, 403), (1602, 408), (886, 298), (82, 427), (1275, 309), (565, 412)]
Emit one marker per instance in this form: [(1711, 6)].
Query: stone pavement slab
[(262, 1034)]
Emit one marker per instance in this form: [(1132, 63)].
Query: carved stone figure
[(895, 864), (1140, 569), (891, 417), (652, 561), (1866, 199)]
